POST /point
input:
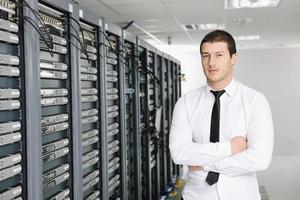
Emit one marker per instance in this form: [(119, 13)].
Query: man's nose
[(211, 60)]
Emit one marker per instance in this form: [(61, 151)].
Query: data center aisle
[(85, 107)]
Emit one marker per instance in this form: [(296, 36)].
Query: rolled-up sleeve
[(186, 152), (260, 137)]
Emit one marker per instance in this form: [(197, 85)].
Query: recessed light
[(211, 26), (151, 26), (247, 37), (151, 20), (242, 21), (204, 26), (236, 4)]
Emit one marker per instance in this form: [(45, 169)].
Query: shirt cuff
[(209, 167)]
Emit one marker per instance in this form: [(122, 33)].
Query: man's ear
[(233, 59)]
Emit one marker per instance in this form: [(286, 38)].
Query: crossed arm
[(235, 157), (238, 144)]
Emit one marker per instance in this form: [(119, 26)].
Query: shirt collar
[(230, 88)]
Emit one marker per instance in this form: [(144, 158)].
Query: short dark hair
[(220, 36)]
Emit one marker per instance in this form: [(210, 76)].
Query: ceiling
[(156, 20)]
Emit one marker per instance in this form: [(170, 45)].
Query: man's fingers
[(195, 168)]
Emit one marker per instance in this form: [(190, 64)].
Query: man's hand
[(195, 168), (238, 144)]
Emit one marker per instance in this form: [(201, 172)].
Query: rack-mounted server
[(90, 105), (114, 112), (12, 104), (56, 121)]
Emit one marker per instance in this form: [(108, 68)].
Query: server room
[(149, 99)]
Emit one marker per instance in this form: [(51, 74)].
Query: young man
[(222, 131)]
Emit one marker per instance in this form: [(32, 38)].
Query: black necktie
[(212, 177)]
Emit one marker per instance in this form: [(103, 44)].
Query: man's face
[(216, 62)]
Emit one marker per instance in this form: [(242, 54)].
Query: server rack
[(148, 82), (143, 121), (159, 123), (138, 135), (131, 102), (175, 97), (56, 73), (169, 117), (152, 84), (174, 89), (156, 176), (115, 116), (12, 104), (164, 125), (90, 68)]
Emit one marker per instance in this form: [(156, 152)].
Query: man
[(223, 131)]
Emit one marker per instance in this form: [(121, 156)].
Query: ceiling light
[(211, 26), (204, 26), (154, 26), (235, 4), (248, 37), (151, 20), (242, 21)]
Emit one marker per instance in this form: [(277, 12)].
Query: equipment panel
[(113, 59), (90, 107), (12, 104), (55, 92)]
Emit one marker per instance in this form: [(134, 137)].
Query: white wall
[(276, 73), (189, 57), (191, 67)]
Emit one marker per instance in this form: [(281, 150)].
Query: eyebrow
[(213, 52)]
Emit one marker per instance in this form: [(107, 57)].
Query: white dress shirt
[(243, 112)]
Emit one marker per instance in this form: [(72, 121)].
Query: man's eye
[(219, 54), (204, 56)]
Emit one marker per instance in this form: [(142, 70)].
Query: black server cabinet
[(166, 119), (164, 127), (138, 128), (172, 81), (175, 88), (159, 124), (152, 84), (130, 65), (148, 82), (179, 80), (175, 97), (171, 91), (168, 104), (90, 62), (12, 104), (143, 121), (170, 164), (177, 77), (56, 73), (114, 115), (178, 95)]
